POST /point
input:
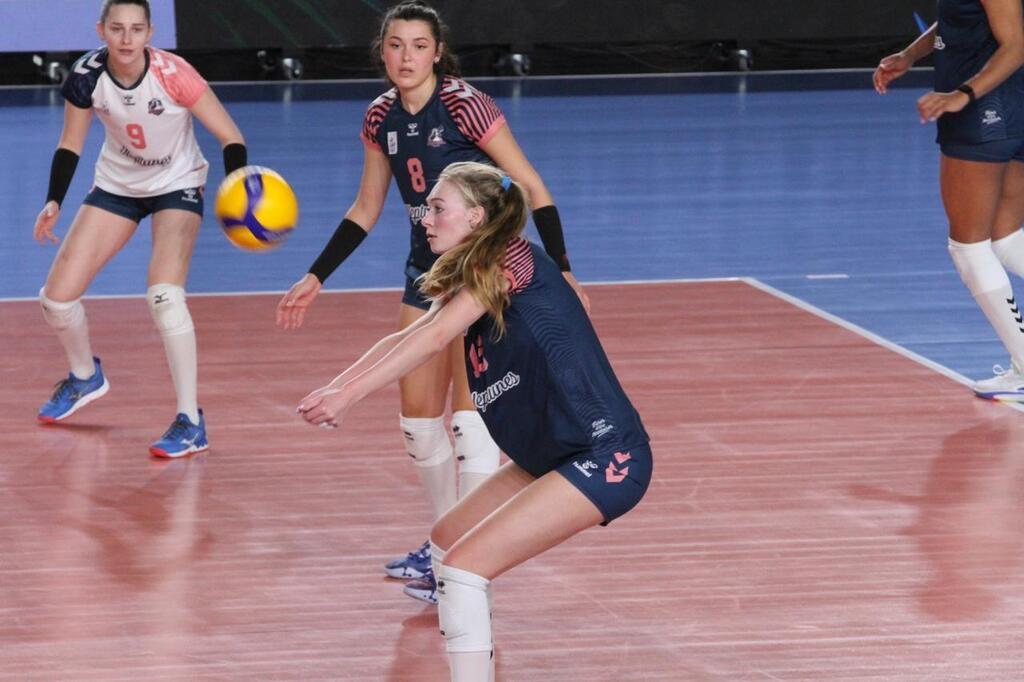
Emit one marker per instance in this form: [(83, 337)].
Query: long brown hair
[(477, 262), (415, 10)]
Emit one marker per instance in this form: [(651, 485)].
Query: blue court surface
[(807, 182)]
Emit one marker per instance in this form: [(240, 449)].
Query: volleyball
[(256, 208)]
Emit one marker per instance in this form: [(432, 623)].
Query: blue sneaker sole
[(403, 573), (82, 402), (1002, 396)]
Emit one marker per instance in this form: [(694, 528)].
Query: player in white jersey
[(150, 164)]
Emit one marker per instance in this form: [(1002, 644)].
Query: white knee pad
[(463, 611), (978, 266), (61, 315), (1010, 252), (169, 310), (426, 440), (475, 450)]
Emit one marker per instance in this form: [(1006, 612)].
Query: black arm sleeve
[(235, 156), (62, 169), (549, 227), (346, 238)]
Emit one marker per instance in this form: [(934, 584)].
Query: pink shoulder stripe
[(375, 114), (181, 81), (475, 113), (518, 267)]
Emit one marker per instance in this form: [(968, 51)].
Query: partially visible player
[(150, 164), (427, 120), (978, 104), (579, 453)]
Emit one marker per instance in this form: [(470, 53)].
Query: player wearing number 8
[(429, 119), (150, 164)]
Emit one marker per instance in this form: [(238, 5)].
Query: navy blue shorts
[(999, 151), (137, 208), (412, 295), (614, 481)]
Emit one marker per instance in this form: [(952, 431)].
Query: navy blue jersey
[(453, 125), (963, 45), (545, 389)]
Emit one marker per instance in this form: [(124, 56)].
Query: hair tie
[(506, 182)]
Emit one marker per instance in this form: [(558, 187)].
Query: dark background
[(331, 37)]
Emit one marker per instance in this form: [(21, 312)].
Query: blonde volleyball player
[(150, 164), (544, 388)]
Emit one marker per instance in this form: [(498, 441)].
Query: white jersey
[(150, 147)]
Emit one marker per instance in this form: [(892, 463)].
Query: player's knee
[(463, 610), (978, 266), (61, 315), (475, 450), (426, 440), (169, 309)]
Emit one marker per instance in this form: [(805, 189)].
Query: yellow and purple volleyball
[(256, 208)]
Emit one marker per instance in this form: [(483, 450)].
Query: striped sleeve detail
[(375, 114), (177, 77), (477, 116), (81, 81), (519, 265)]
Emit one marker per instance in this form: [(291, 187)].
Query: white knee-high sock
[(1010, 252), (173, 321), (477, 453), (68, 320), (465, 620), (426, 441), (986, 279)]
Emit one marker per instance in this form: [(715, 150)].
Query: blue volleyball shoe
[(423, 589), (72, 394), (182, 438), (415, 564)]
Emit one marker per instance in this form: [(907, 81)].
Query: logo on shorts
[(392, 143), (435, 139), (939, 45), (586, 467), (991, 117), (476, 357), (614, 474), (156, 107), (190, 195)]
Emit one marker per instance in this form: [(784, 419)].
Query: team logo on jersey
[(600, 427), (991, 117), (435, 139), (495, 391), (476, 357), (939, 45), (156, 107), (414, 130), (128, 99), (392, 143)]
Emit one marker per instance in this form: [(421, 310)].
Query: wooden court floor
[(822, 509)]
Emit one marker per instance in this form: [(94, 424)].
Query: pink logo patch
[(621, 457), (613, 475)]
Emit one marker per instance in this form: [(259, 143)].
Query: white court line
[(750, 281), (870, 336)]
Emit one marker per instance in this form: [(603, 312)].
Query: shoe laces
[(422, 552), (179, 429), (64, 388)]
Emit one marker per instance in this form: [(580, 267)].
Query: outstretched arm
[(895, 65), (391, 359)]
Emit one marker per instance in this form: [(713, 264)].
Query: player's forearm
[(1004, 61), (369, 359), (409, 353), (923, 46)]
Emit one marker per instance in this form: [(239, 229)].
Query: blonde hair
[(477, 262)]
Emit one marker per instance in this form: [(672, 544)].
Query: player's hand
[(935, 104), (324, 407), (47, 218), (291, 310), (889, 69), (584, 299)]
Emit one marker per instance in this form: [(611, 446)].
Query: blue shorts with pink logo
[(614, 481)]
